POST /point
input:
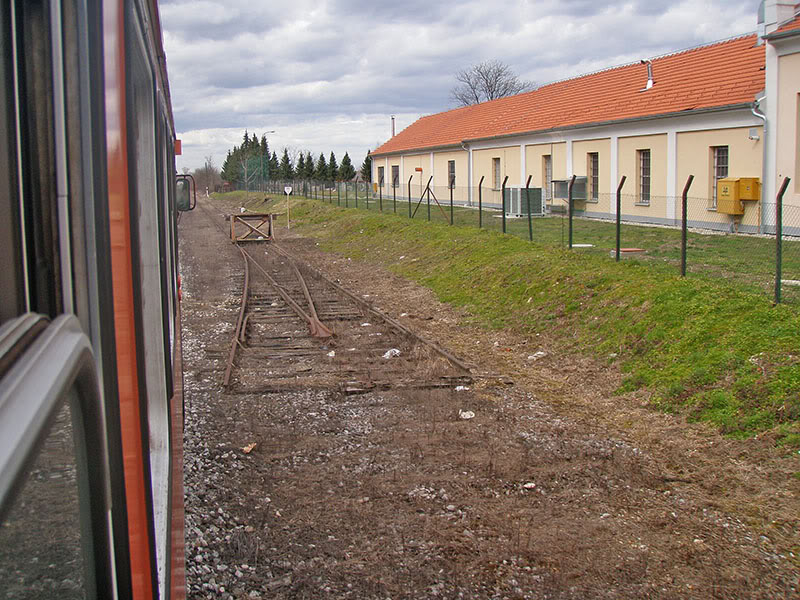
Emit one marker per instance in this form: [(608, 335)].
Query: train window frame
[(51, 367)]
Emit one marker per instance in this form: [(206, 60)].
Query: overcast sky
[(327, 74)]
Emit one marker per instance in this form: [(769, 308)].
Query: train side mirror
[(185, 193)]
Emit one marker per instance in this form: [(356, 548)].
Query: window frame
[(395, 176), (644, 176), (547, 176), (716, 170), (380, 175), (451, 174), (497, 173), (593, 176)]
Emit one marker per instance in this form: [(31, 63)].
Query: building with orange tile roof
[(697, 112)]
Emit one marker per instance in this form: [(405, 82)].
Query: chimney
[(772, 14), (650, 81), (392, 125)]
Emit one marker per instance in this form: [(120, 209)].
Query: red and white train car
[(90, 364)]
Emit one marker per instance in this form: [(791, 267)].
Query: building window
[(451, 174), (548, 177), (380, 175), (719, 170), (593, 171), (395, 175), (496, 173), (644, 176)]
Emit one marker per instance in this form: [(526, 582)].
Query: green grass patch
[(708, 348)]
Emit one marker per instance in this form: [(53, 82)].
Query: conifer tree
[(287, 172), (301, 166), (333, 168), (366, 168), (346, 170), (274, 167), (321, 170), (309, 174)]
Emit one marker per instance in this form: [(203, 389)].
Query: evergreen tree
[(274, 167), (309, 174), (346, 170), (333, 168), (264, 159), (321, 170), (301, 166), (366, 168), (287, 172)]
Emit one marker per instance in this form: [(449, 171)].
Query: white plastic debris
[(537, 356), (402, 257), (365, 324), (332, 353), (403, 314), (462, 388), (392, 353), (466, 414), (241, 209), (529, 486)]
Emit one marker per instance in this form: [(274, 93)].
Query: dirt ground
[(556, 488)]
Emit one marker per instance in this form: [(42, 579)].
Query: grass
[(717, 352)]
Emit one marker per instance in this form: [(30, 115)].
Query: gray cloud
[(326, 75)]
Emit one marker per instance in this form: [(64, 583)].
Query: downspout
[(756, 112)]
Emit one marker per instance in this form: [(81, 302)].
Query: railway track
[(297, 329)]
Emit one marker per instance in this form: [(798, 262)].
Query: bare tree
[(208, 175), (487, 80)]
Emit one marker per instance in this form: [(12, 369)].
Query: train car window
[(37, 151), (13, 300), (167, 308), (40, 541)]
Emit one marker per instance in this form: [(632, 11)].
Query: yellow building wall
[(420, 180), (580, 167), (788, 156), (440, 175), (695, 157), (395, 160), (509, 165), (628, 165), (534, 161)]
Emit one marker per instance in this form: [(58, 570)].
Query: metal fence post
[(480, 203), (338, 193), (569, 205), (685, 222), (779, 239), (394, 194), (503, 201), (409, 195), (355, 185), (428, 194), (452, 185), (380, 195), (619, 213), (528, 200)]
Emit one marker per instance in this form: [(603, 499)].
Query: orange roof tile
[(790, 26), (721, 74)]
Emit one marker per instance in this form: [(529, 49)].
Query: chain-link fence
[(753, 244)]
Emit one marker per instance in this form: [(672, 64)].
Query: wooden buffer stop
[(252, 227)]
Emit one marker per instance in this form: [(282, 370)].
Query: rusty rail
[(226, 380), (384, 317)]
